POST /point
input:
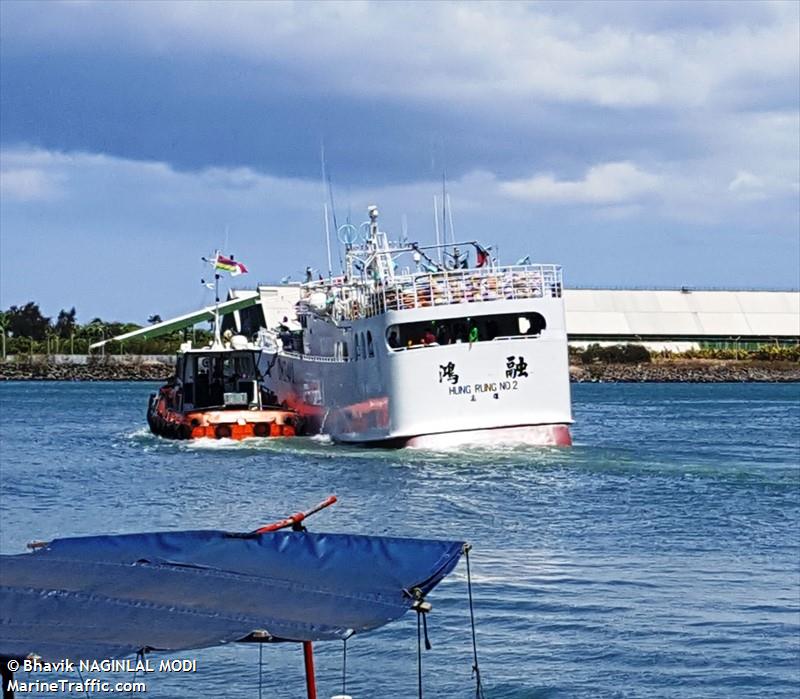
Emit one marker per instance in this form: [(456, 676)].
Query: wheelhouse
[(227, 379)]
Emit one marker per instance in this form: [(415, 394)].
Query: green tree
[(65, 323), (96, 329), (4, 326), (28, 321)]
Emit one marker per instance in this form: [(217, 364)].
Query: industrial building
[(683, 319), (675, 320)]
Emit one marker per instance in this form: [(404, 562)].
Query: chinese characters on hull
[(447, 371), (516, 367)]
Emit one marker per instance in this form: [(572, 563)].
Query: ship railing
[(312, 357), (360, 299)]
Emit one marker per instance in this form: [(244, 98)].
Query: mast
[(328, 241), (444, 207), (450, 218), (325, 208), (436, 224), (217, 334)]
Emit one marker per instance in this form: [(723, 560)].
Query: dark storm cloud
[(142, 81), (636, 142), (195, 114)]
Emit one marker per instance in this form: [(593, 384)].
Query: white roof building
[(661, 319), (606, 315)]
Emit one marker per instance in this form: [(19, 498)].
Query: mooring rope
[(344, 666), (83, 682), (139, 656), (260, 667), (419, 655), (476, 672)]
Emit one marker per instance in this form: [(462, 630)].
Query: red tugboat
[(216, 392)]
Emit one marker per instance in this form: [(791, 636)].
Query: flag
[(482, 254), (228, 264)]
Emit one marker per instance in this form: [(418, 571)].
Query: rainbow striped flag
[(228, 264)]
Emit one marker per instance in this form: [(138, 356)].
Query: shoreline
[(659, 371), (688, 371)]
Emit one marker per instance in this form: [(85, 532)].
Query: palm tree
[(4, 318), (97, 327)]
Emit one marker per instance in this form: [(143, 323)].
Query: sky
[(638, 144)]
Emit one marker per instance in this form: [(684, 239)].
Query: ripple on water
[(657, 557)]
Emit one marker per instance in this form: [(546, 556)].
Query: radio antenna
[(444, 206), (325, 208)]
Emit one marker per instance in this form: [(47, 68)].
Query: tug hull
[(172, 423)]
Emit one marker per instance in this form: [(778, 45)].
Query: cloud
[(145, 220), (28, 184), (748, 185), (608, 183), (471, 53)]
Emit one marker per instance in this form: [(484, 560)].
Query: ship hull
[(510, 389), (530, 435)]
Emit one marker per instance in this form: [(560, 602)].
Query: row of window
[(448, 331)]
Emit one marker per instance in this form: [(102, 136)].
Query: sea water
[(658, 557)]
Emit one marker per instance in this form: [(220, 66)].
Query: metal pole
[(308, 658), (217, 334), (328, 241), (8, 677), (436, 226)]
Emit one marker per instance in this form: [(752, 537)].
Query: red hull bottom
[(533, 435)]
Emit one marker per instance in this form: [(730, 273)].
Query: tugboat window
[(370, 347), (209, 378), (358, 348)]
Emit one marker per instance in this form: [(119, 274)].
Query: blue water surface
[(659, 557)]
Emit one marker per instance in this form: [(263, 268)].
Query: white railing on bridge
[(362, 299)]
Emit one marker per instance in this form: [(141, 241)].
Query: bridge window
[(448, 331)]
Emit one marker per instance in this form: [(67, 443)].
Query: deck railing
[(450, 287)]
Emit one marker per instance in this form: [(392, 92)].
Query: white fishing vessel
[(412, 345)]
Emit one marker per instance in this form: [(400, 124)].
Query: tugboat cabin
[(226, 379)]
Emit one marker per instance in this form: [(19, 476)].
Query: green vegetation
[(25, 331), (615, 354), (636, 354), (765, 353)]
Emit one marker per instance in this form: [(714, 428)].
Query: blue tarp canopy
[(110, 596)]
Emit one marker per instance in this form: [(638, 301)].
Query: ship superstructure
[(413, 346)]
